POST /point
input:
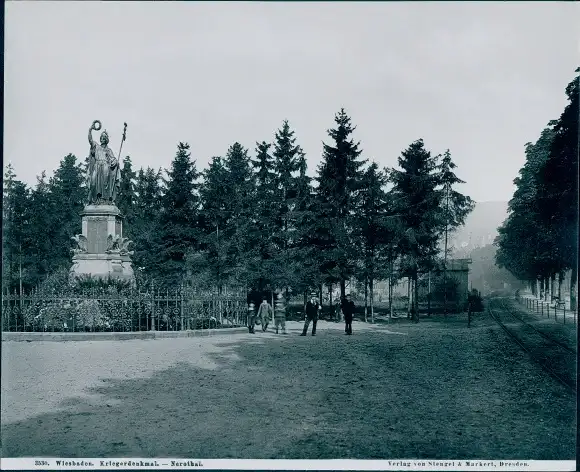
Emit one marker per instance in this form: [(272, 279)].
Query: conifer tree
[(177, 225), (15, 227), (339, 181), (418, 202), (286, 154), (265, 214), (7, 189), (302, 266), (239, 231), (147, 208), (67, 197), (372, 226), (208, 264), (37, 256)]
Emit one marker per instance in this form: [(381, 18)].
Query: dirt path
[(412, 391)]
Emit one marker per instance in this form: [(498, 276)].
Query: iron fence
[(102, 311)]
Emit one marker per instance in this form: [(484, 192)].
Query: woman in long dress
[(104, 174)]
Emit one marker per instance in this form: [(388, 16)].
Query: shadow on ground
[(426, 395)]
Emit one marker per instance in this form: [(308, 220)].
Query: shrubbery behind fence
[(102, 310)]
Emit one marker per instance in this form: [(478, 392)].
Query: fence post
[(167, 313), (152, 308), (564, 312)]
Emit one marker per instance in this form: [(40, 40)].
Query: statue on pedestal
[(101, 250), (104, 173)]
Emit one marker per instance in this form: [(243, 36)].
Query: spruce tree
[(372, 226), (16, 211), (67, 195), (38, 253), (147, 208), (7, 189), (214, 216), (177, 225), (418, 202), (286, 154), (265, 214), (303, 253), (339, 181), (240, 230)]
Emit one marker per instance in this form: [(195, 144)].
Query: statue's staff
[(123, 140)]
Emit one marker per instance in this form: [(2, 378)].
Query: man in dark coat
[(265, 313), (312, 310), (348, 312)]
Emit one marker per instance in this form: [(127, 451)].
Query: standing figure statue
[(104, 173)]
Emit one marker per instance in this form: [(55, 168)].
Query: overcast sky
[(481, 79)]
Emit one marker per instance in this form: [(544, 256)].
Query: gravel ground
[(432, 390)]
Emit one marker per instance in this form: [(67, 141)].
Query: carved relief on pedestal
[(81, 244), (118, 245)]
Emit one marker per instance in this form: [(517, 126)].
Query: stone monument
[(101, 251)]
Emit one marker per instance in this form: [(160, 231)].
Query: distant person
[(348, 312), (251, 317), (265, 313), (337, 311), (312, 311), (280, 314)]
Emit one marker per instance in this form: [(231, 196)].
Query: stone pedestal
[(101, 251)]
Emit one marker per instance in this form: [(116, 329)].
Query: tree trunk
[(547, 289), (552, 287), (429, 296), (366, 298), (573, 284), (445, 251), (330, 295), (391, 292), (305, 299), (320, 292), (342, 288), (409, 297), (560, 280), (416, 296), (371, 289)]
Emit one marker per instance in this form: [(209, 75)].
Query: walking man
[(312, 311), (348, 312), (265, 313)]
